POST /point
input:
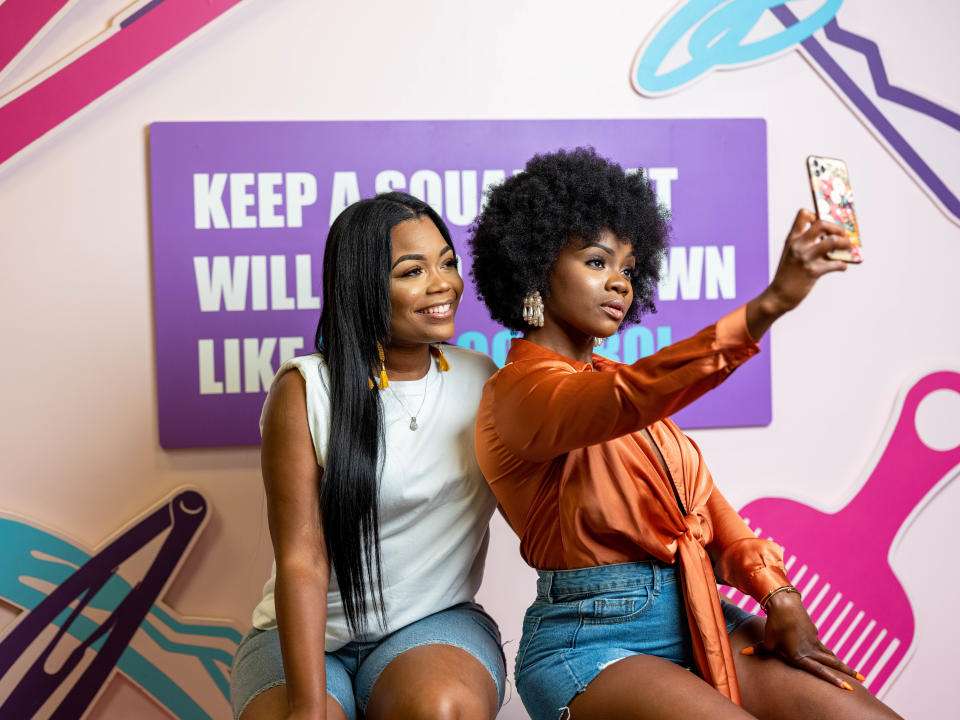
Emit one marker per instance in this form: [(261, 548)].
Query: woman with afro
[(613, 504)]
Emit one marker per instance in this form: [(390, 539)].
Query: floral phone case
[(833, 200)]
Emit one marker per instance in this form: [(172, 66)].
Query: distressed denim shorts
[(353, 669), (586, 619)]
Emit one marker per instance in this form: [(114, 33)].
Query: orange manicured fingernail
[(846, 686), (860, 677), (748, 650)]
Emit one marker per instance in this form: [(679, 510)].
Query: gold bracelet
[(785, 588)]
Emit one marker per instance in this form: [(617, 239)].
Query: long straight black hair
[(354, 319)]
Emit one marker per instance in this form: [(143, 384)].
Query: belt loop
[(656, 577), (545, 585)]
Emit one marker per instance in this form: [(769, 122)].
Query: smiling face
[(425, 285), (590, 290)]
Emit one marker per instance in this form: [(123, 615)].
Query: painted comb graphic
[(859, 606), (83, 619)]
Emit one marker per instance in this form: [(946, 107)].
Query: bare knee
[(271, 704), (443, 703)]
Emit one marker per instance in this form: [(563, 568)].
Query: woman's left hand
[(803, 261), (791, 634)]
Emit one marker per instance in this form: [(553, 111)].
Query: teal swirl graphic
[(719, 29)]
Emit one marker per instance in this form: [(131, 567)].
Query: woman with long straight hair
[(613, 504), (378, 513)]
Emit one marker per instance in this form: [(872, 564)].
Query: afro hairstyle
[(561, 196)]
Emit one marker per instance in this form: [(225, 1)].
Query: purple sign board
[(241, 212)]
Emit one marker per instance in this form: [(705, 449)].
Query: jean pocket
[(614, 610), (530, 625)]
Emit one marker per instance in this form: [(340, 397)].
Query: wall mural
[(715, 32), (85, 615)]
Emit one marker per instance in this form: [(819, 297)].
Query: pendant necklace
[(413, 417)]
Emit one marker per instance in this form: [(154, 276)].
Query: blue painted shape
[(719, 29)]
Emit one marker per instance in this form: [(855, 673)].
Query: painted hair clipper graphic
[(855, 599), (86, 615), (700, 36)]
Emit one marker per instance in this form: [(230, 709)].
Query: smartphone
[(833, 200)]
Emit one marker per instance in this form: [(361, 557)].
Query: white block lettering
[(258, 282), (240, 200), (279, 300), (257, 370), (662, 177), (461, 196), (388, 181), (289, 347), (683, 272), (301, 191), (427, 185), (208, 201), (218, 282), (346, 191), (268, 199), (306, 300), (209, 385), (721, 273), (231, 365)]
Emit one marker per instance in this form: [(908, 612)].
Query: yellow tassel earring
[(441, 358), (383, 370)]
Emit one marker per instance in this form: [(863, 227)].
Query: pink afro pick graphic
[(856, 600)]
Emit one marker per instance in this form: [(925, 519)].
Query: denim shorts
[(586, 619), (353, 669)]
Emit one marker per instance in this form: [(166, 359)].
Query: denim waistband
[(552, 584)]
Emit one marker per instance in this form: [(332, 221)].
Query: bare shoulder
[(288, 386), (285, 415)]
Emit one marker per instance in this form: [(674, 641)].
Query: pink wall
[(80, 451)]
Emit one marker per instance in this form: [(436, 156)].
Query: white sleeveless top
[(434, 504)]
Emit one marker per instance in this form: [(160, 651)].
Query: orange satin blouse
[(559, 442)]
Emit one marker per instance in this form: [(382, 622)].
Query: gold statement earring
[(598, 341), (383, 370), (533, 309)]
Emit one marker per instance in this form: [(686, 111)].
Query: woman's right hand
[(803, 261), (790, 633)]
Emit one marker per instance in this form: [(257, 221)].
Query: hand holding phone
[(833, 200)]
